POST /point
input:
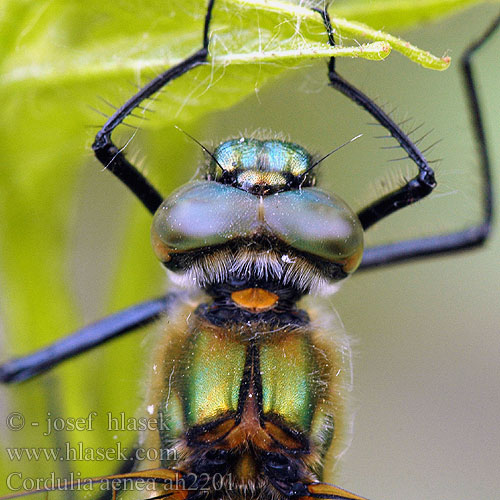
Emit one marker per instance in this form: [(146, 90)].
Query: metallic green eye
[(199, 215), (318, 223), (205, 215)]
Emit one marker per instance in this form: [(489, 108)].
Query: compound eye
[(317, 223), (201, 215)]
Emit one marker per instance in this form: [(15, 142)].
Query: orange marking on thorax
[(249, 428), (267, 437), (254, 299)]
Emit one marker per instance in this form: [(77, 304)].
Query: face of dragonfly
[(425, 381)]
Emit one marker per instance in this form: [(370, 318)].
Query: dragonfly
[(262, 296)]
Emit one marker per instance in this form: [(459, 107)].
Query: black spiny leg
[(423, 183), (414, 190), (90, 336), (112, 157)]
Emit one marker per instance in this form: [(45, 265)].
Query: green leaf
[(398, 14)]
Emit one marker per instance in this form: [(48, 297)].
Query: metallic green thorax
[(214, 363), (289, 379), (222, 370)]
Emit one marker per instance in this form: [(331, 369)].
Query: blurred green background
[(427, 344)]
